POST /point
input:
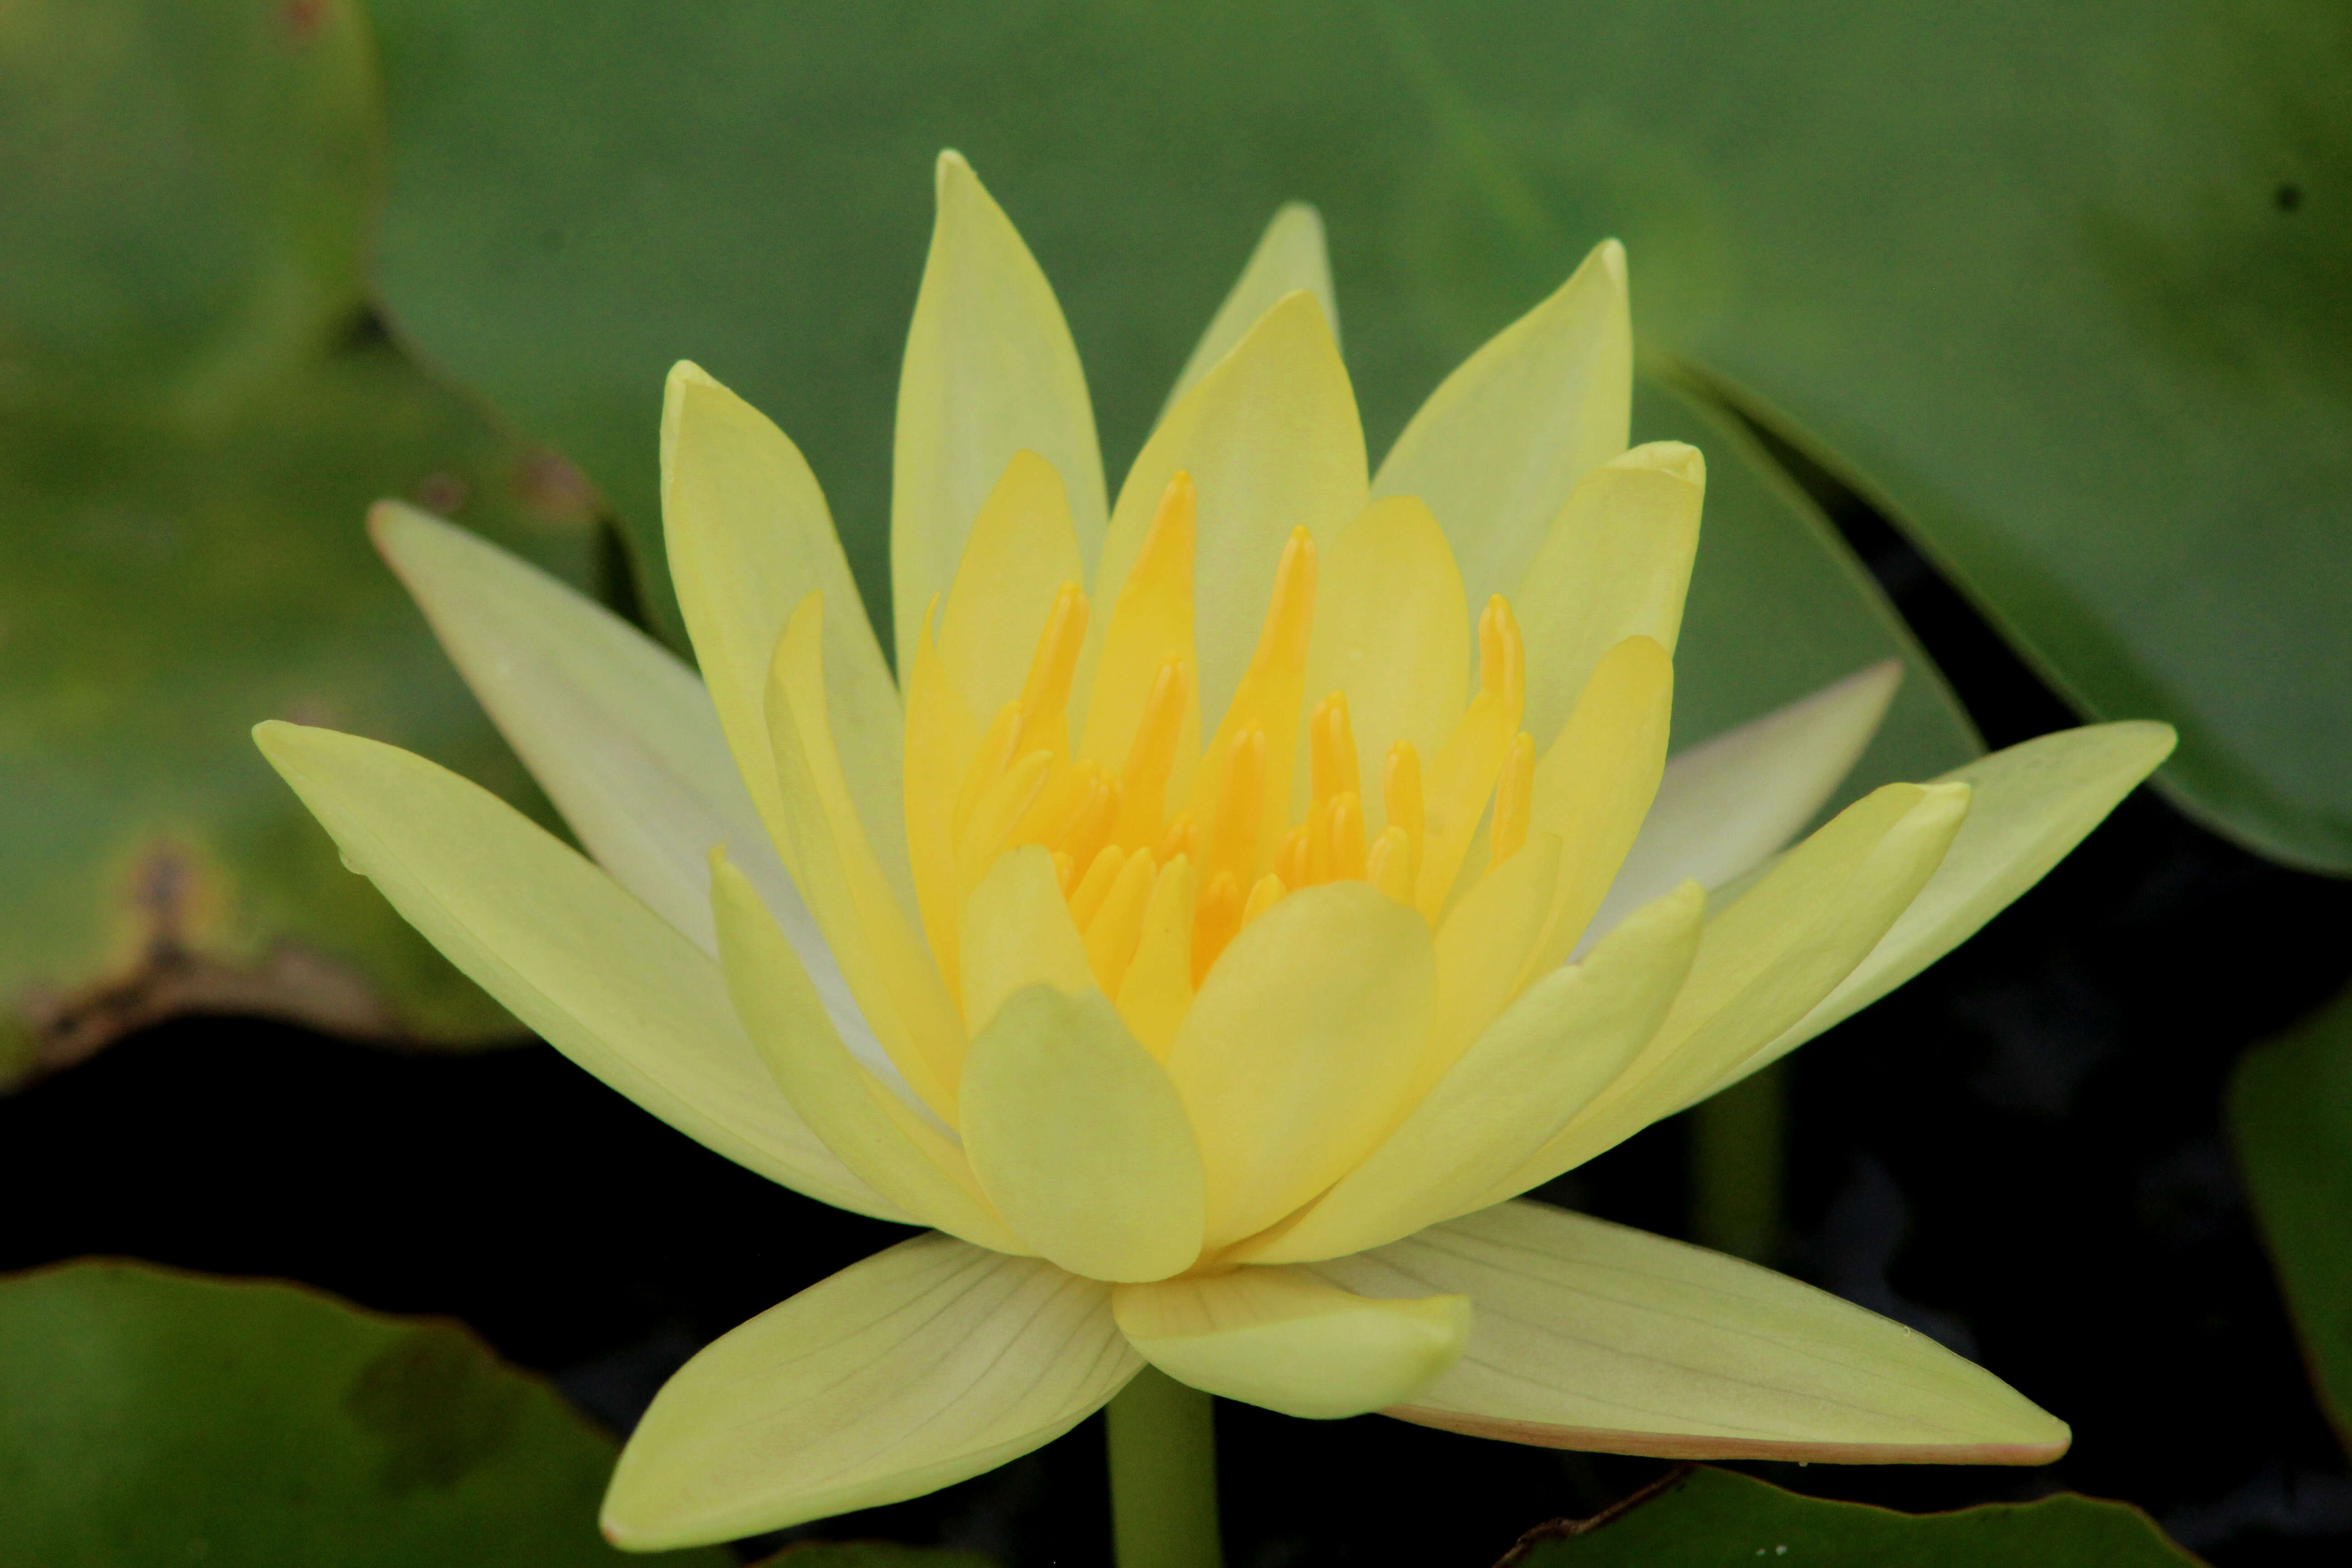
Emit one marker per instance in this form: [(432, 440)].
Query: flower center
[(1163, 863)]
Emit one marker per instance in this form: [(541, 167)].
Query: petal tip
[(1611, 253)]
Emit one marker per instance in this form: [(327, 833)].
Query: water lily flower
[(1244, 891)]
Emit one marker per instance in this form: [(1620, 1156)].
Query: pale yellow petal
[(2032, 804), (749, 538), (1502, 442), (921, 1366), (1286, 1340), (1390, 631), (1726, 805), (1588, 1335), (1522, 1081), (942, 732), (582, 963), (1297, 1053), (1613, 565), (989, 371), (891, 971), (1021, 551), (1017, 933), (892, 1147), (1078, 1136), (1271, 439), (1289, 257), (1483, 947)]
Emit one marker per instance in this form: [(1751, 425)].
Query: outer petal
[(1537, 1066), (1271, 439), (919, 1367), (1614, 564), (1724, 807), (1078, 1136), (1588, 1335), (749, 538), (583, 964), (893, 1148), (989, 370), (1289, 257), (1297, 1054), (1286, 1340), (2033, 802), (618, 732), (1499, 447)]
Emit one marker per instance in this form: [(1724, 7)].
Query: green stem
[(1739, 1145), (1163, 1476)]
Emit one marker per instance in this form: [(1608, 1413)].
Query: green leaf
[(1719, 1517), (153, 1417), (197, 407), (2290, 1109), (750, 188)]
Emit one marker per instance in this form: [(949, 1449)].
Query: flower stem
[(1163, 1475), (1737, 1151)]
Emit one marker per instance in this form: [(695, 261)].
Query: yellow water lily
[(1242, 893)]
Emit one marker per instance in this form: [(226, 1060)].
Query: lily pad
[(2290, 1109), (198, 404), (150, 1417), (1709, 1517), (2061, 291)]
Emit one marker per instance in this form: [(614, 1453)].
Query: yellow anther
[(1290, 617), (1290, 858), (1144, 783), (1054, 806), (1094, 886), (1233, 839), (1117, 925), (1214, 921), (1046, 694), (1389, 864), (1318, 846), (993, 819), (1090, 828), (1332, 749), (1263, 894), (1401, 795), (1179, 841), (1502, 655), (989, 761), (1064, 867), (1514, 798), (1347, 817)]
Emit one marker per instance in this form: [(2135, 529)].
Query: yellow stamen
[(1004, 804), (989, 761), (1331, 747), (1264, 893), (1347, 818), (1150, 623), (1090, 828), (1214, 922), (1463, 773), (1318, 846), (1181, 841), (1157, 990), (1502, 654), (1144, 783), (1094, 886), (1401, 795), (1389, 866), (1064, 867), (1117, 925), (1056, 805), (1269, 697), (1514, 798), (1290, 858), (1232, 840), (1046, 694)]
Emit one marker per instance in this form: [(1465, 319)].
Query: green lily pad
[(2062, 291), (148, 1417), (197, 405), (2290, 1111), (751, 189), (1718, 1517)]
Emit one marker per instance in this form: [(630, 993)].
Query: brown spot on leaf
[(548, 485), (441, 492), (303, 19)]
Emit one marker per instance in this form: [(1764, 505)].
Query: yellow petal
[(1271, 439), (890, 972), (1518, 1084), (2031, 804), (1017, 933), (1298, 1050), (1021, 551), (1078, 1137), (1588, 1335), (941, 736), (1157, 991), (749, 538), (1148, 640), (1613, 565), (891, 1147), (1391, 632), (1284, 1340), (1289, 257), (1499, 445), (582, 963), (1595, 786), (919, 1367), (1722, 806), (989, 371), (1483, 947)]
